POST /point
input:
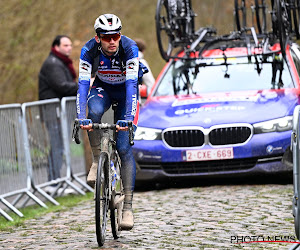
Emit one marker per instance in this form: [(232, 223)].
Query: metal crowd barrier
[(44, 141), (74, 153), (14, 171), (45, 128), (36, 152)]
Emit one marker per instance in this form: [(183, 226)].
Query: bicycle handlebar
[(75, 133)]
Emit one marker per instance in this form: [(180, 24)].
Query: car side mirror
[(143, 91)]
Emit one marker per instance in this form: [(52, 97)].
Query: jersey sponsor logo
[(115, 63), (99, 89), (131, 65), (84, 78), (132, 68), (85, 69), (84, 66), (77, 103), (134, 104), (111, 76)]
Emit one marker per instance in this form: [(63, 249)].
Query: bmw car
[(222, 105), (225, 113)]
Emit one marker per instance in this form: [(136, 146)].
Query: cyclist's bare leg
[(128, 171)]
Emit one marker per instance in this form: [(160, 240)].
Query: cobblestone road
[(206, 217)]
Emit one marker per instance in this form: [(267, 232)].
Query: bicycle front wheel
[(164, 29), (117, 198), (280, 23), (102, 198)]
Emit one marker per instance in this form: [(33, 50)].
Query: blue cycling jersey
[(113, 71)]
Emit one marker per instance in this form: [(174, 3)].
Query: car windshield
[(225, 75)]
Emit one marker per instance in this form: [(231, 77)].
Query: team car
[(222, 105)]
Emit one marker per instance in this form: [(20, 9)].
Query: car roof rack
[(175, 20)]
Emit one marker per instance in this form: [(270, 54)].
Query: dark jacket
[(55, 79)]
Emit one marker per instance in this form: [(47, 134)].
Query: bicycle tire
[(261, 20), (240, 6), (163, 29), (102, 198), (118, 193), (279, 24), (191, 27), (295, 17)]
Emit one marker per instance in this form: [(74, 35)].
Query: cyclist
[(117, 68)]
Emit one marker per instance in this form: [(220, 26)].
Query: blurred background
[(28, 27)]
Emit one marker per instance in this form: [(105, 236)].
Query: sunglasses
[(107, 38)]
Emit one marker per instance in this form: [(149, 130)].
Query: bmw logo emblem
[(269, 149)]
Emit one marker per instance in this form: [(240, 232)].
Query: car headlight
[(276, 125), (148, 134)]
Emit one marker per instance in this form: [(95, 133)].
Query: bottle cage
[(175, 27)]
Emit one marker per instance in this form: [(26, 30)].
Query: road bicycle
[(109, 192), (259, 15), (174, 25), (284, 17)]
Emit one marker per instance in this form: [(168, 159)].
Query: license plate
[(208, 154)]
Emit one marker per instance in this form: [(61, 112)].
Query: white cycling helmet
[(107, 24)]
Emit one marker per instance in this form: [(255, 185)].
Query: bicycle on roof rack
[(175, 26)]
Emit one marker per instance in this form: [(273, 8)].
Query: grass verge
[(35, 211)]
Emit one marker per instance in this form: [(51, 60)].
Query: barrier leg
[(82, 183), (36, 199), (47, 196), (75, 187), (18, 198), (11, 207), (6, 216)]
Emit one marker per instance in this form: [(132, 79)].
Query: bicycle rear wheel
[(261, 18), (240, 14), (164, 31), (280, 23), (102, 198), (174, 26), (117, 198), (293, 15)]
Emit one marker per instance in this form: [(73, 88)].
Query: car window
[(214, 75)]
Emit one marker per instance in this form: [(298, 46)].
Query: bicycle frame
[(108, 146), (108, 196)]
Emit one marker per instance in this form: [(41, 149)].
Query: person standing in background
[(148, 79), (57, 79)]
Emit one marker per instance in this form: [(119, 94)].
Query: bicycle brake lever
[(130, 129)]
